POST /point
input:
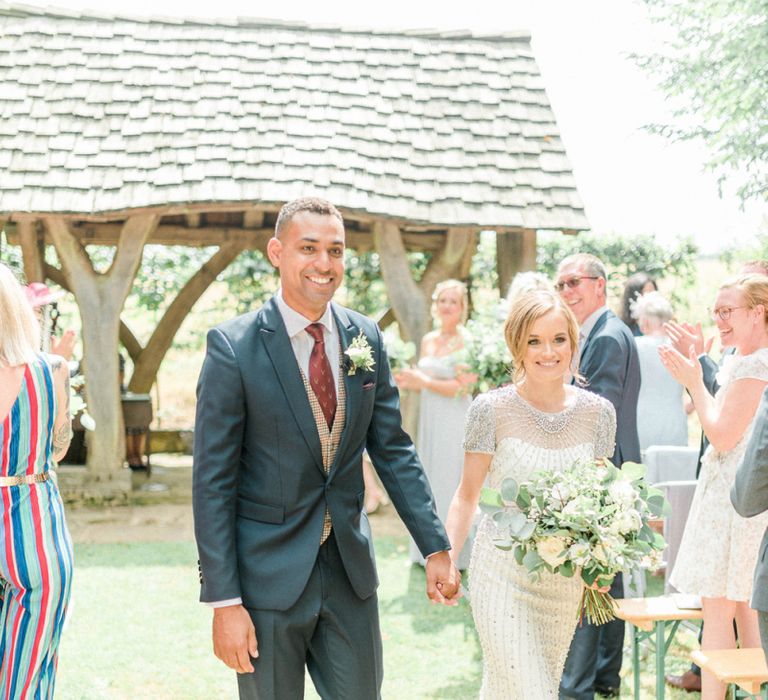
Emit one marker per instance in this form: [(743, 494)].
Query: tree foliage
[(624, 255), (714, 68)]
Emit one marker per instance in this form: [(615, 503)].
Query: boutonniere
[(360, 355)]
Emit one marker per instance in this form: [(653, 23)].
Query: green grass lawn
[(137, 631)]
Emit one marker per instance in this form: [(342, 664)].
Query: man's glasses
[(724, 312), (572, 282)]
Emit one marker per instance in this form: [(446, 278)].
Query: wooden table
[(650, 618), (739, 668)]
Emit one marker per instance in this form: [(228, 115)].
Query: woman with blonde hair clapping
[(719, 548)]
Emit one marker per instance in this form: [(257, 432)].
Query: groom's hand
[(234, 637), (443, 579)]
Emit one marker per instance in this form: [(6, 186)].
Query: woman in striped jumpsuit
[(35, 547)]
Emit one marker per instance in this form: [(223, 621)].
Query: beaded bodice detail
[(523, 439)]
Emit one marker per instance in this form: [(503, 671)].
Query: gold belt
[(24, 479)]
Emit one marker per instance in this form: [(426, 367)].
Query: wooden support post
[(515, 252), (31, 251), (100, 298)]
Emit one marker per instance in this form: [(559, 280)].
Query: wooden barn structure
[(123, 131)]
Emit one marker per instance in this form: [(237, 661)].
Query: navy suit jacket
[(610, 364), (259, 489)]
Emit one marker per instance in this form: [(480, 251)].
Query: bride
[(537, 422)]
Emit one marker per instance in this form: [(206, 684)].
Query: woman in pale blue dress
[(661, 418), (445, 399)]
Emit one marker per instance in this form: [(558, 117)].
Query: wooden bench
[(739, 668), (655, 619)]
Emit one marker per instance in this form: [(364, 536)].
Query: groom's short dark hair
[(314, 205)]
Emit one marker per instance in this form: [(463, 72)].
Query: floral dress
[(719, 549)]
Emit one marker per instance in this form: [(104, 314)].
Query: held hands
[(685, 370), (443, 579), (234, 637), (683, 335), (599, 589)]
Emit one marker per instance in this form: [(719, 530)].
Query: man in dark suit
[(608, 361), (749, 495), (285, 408)]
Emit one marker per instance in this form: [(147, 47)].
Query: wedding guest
[(636, 285), (539, 421), (445, 399), (42, 299), (683, 337), (719, 548), (608, 361), (661, 417), (528, 281), (36, 564)]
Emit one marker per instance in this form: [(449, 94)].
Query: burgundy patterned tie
[(320, 375)]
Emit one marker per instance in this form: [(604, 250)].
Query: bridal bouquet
[(588, 519)]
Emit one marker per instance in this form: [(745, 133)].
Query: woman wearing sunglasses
[(719, 548)]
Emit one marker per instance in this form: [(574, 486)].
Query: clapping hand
[(684, 335), (685, 369), (64, 346), (443, 579)]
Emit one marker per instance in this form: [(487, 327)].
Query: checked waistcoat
[(329, 438)]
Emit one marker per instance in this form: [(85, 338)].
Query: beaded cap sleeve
[(480, 428), (503, 414)]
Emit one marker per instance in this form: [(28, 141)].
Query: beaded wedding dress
[(525, 627)]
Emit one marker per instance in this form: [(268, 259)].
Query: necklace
[(547, 422)]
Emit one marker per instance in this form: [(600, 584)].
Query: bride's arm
[(465, 500)]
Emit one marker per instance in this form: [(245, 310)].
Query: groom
[(283, 416)]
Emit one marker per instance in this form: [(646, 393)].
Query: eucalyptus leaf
[(509, 490)]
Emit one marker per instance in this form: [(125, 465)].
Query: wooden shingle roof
[(104, 113)]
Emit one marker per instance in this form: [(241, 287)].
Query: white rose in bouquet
[(628, 521), (622, 493), (552, 550), (579, 553)]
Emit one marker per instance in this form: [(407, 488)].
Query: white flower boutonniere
[(360, 355)]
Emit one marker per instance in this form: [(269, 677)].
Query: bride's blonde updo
[(524, 312)]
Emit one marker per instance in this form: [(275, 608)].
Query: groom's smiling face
[(310, 257)]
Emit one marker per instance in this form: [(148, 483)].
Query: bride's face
[(548, 348)]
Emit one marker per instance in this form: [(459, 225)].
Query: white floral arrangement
[(77, 403), (360, 355), (399, 351), (485, 353), (589, 519)]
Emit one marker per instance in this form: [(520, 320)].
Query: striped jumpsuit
[(35, 547)]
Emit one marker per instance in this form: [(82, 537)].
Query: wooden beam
[(515, 252), (193, 220), (410, 305), (151, 357), (31, 252), (253, 220), (254, 239)]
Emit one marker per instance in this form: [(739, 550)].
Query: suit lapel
[(283, 359), (348, 331)]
